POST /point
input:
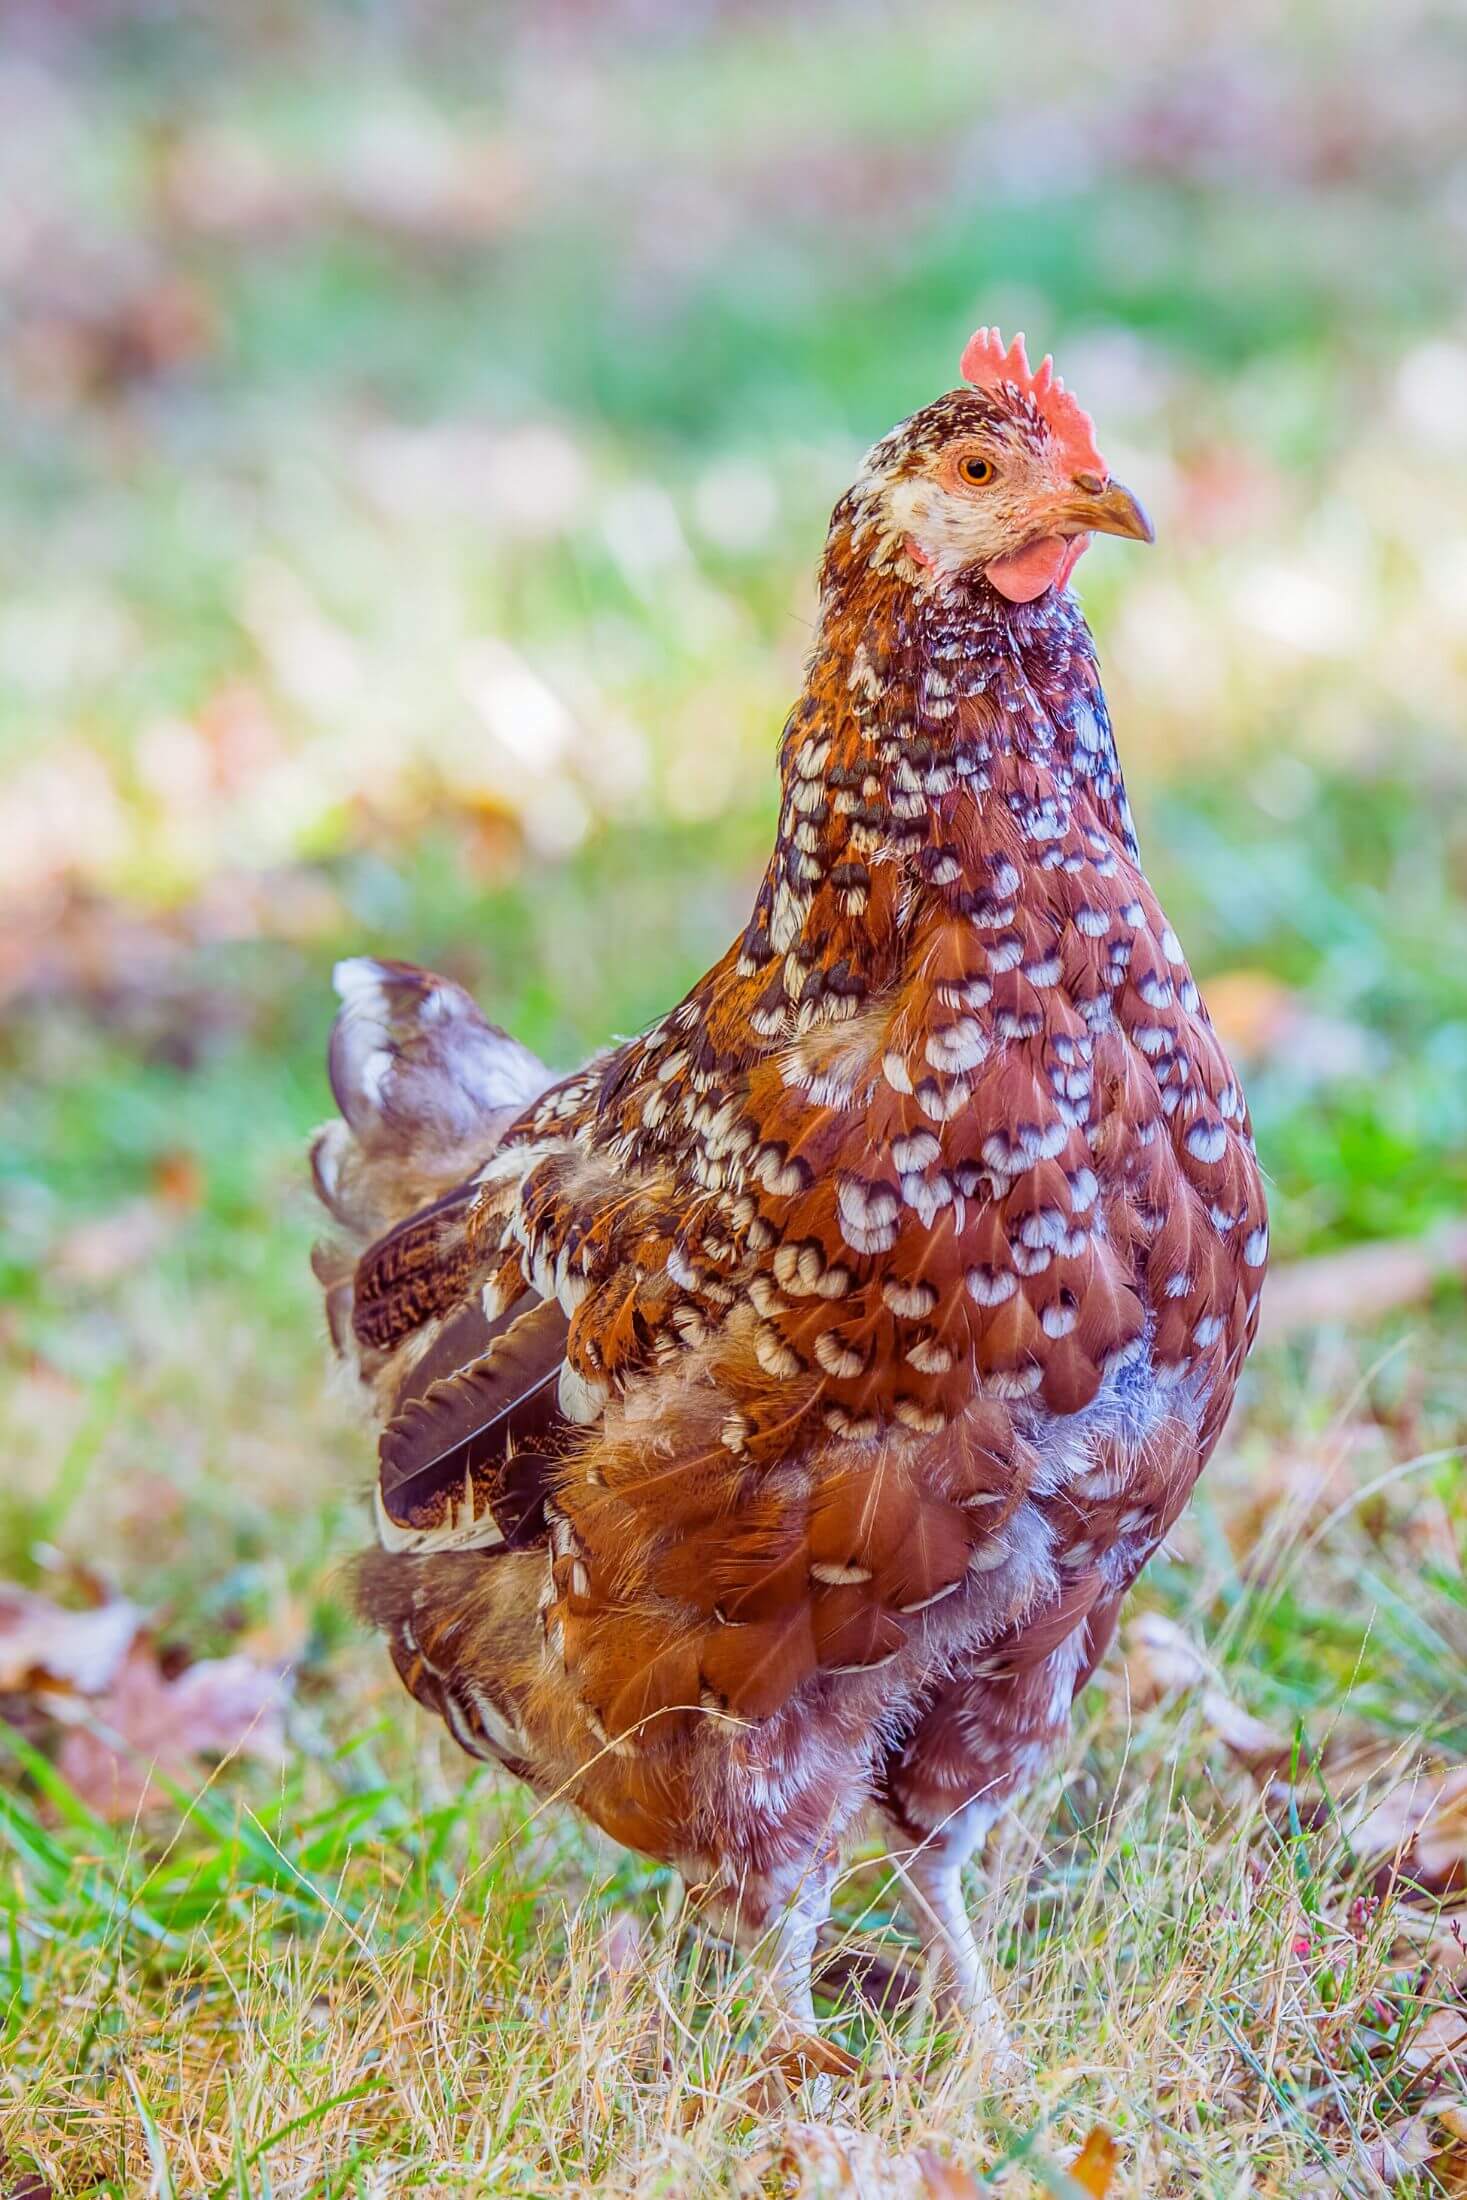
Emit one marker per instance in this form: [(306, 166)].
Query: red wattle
[(1047, 563)]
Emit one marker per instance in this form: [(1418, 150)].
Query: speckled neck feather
[(927, 704)]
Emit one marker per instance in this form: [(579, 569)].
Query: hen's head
[(1003, 477)]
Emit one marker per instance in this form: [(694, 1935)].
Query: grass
[(423, 566), (384, 1975)]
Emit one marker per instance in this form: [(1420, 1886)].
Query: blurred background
[(419, 426)]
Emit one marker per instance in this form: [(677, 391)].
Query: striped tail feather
[(427, 1088)]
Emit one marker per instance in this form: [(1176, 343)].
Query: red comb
[(988, 366)]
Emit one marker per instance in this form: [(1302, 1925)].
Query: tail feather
[(427, 1088)]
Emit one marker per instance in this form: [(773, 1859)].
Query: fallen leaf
[(1253, 1741), (1161, 1659), (622, 1938), (21, 2180), (81, 352), (149, 1728), (1095, 2164), (830, 2162), (178, 1179), (1450, 2111), (1293, 1488), (946, 2180), (1362, 1284), (1405, 2147), (810, 2054), (1440, 2047), (1417, 1830), (112, 1245), (47, 1645), (1402, 1818), (1261, 1020), (1251, 1011)]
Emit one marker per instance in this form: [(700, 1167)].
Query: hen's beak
[(1107, 509)]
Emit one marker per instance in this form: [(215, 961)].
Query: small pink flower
[(1302, 1944)]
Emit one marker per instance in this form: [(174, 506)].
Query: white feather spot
[(960, 1046), (838, 1359), (868, 1215), (930, 1356), (1207, 1141)]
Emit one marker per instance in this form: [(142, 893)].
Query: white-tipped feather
[(463, 1530)]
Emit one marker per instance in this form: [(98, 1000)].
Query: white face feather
[(916, 499)]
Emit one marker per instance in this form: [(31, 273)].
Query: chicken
[(776, 1411)]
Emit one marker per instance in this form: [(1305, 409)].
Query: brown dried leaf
[(67, 351), (1261, 1020), (1405, 1820), (811, 2055), (1440, 2047), (1161, 1659), (21, 2180), (1264, 1514), (178, 1179), (1417, 1828), (1253, 1012), (946, 2180), (825, 2162), (112, 1245), (149, 1728), (1450, 2111), (1362, 1284), (1095, 2164), (1407, 2146), (1253, 1741), (45, 1645)]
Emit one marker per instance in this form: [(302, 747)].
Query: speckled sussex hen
[(776, 1411)]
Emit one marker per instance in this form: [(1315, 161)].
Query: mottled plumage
[(778, 1409)]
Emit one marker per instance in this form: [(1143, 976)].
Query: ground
[(417, 447)]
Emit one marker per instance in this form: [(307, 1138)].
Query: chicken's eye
[(976, 471)]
